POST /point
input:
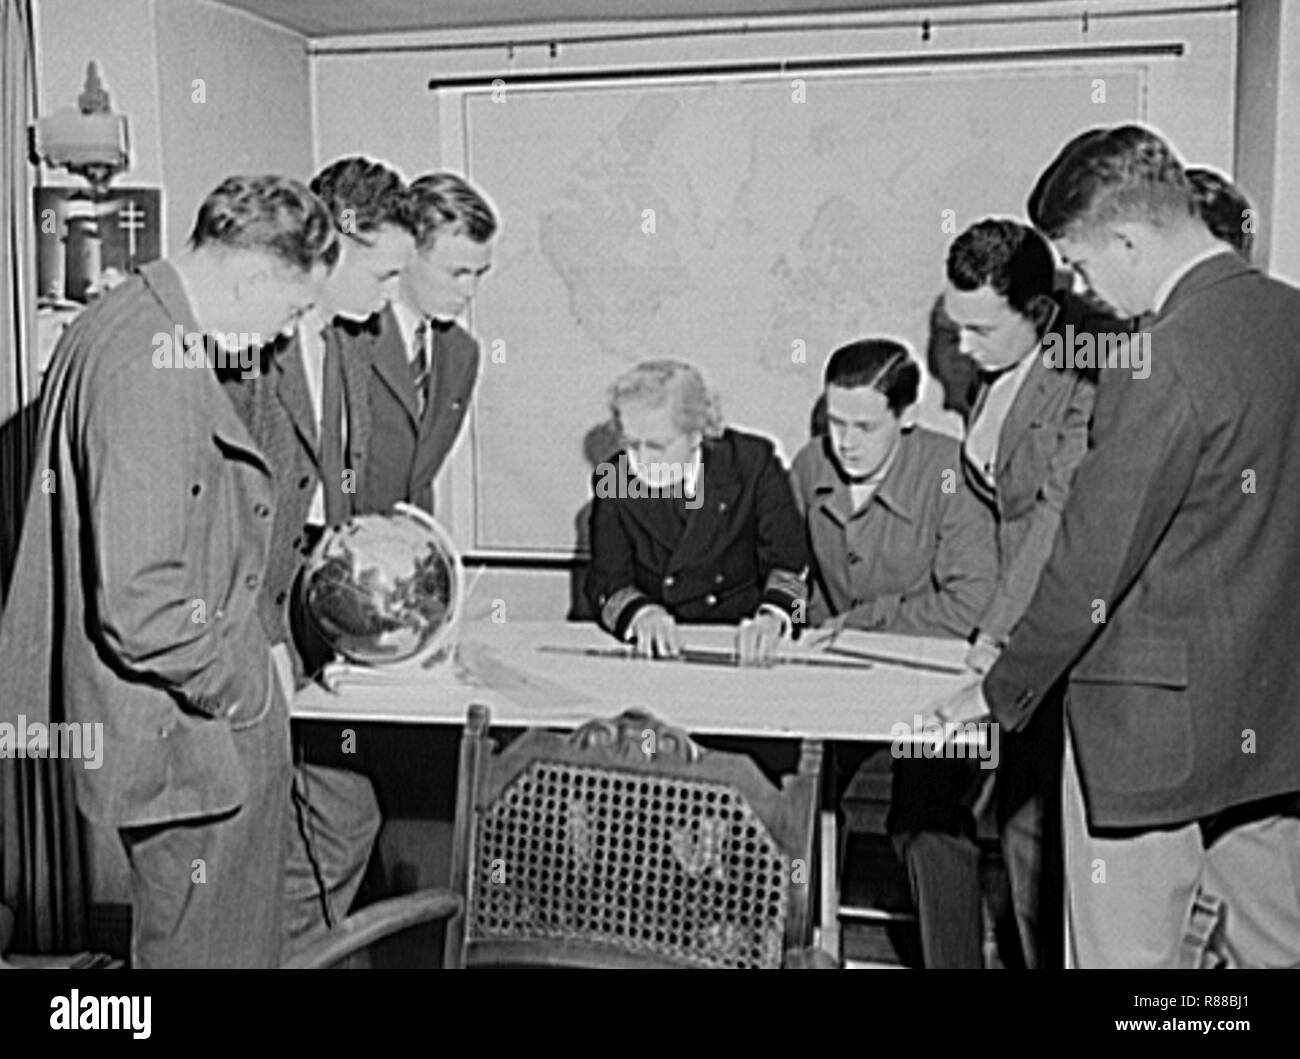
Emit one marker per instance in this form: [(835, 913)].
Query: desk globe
[(386, 588)]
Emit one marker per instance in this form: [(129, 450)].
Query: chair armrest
[(374, 922), (810, 959)]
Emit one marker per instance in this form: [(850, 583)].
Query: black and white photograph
[(651, 484)]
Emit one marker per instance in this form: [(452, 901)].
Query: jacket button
[(711, 600), (669, 581), (251, 580), (261, 510), (304, 481)]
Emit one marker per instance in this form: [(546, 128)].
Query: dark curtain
[(42, 863)]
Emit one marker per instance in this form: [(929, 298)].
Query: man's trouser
[(1027, 796), (1200, 895), (933, 832), (206, 891), (334, 820)]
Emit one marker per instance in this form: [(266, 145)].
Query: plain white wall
[(1285, 221), (255, 113)]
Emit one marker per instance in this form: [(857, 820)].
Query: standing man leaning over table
[(309, 412), (1027, 434), (134, 602), (1171, 596), (900, 544), (420, 366)]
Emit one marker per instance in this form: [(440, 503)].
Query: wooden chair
[(626, 844), (374, 923)]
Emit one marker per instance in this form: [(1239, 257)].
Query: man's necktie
[(331, 435), (420, 365)]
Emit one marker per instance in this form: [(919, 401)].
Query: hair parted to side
[(274, 214), (444, 203), (1223, 208), (363, 195), (655, 382), (1011, 258), (1124, 173), (884, 364)]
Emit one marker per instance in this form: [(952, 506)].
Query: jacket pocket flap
[(1136, 660)]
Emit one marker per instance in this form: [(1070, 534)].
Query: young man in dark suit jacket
[(134, 601), (310, 412), (424, 363), (1027, 432), (1171, 594)]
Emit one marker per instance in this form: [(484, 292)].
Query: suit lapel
[(451, 381), (1033, 394), (291, 390), (393, 366)]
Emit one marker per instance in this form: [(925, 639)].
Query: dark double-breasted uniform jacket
[(741, 543)]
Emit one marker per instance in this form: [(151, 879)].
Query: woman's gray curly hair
[(653, 382)]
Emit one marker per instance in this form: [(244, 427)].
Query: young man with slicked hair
[(134, 602), (1170, 597), (898, 543)]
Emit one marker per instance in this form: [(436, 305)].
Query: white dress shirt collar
[(408, 322)]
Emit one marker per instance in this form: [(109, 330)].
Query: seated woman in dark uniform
[(691, 521)]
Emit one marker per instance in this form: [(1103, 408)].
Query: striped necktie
[(420, 366)]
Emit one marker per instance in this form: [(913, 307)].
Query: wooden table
[(560, 675)]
